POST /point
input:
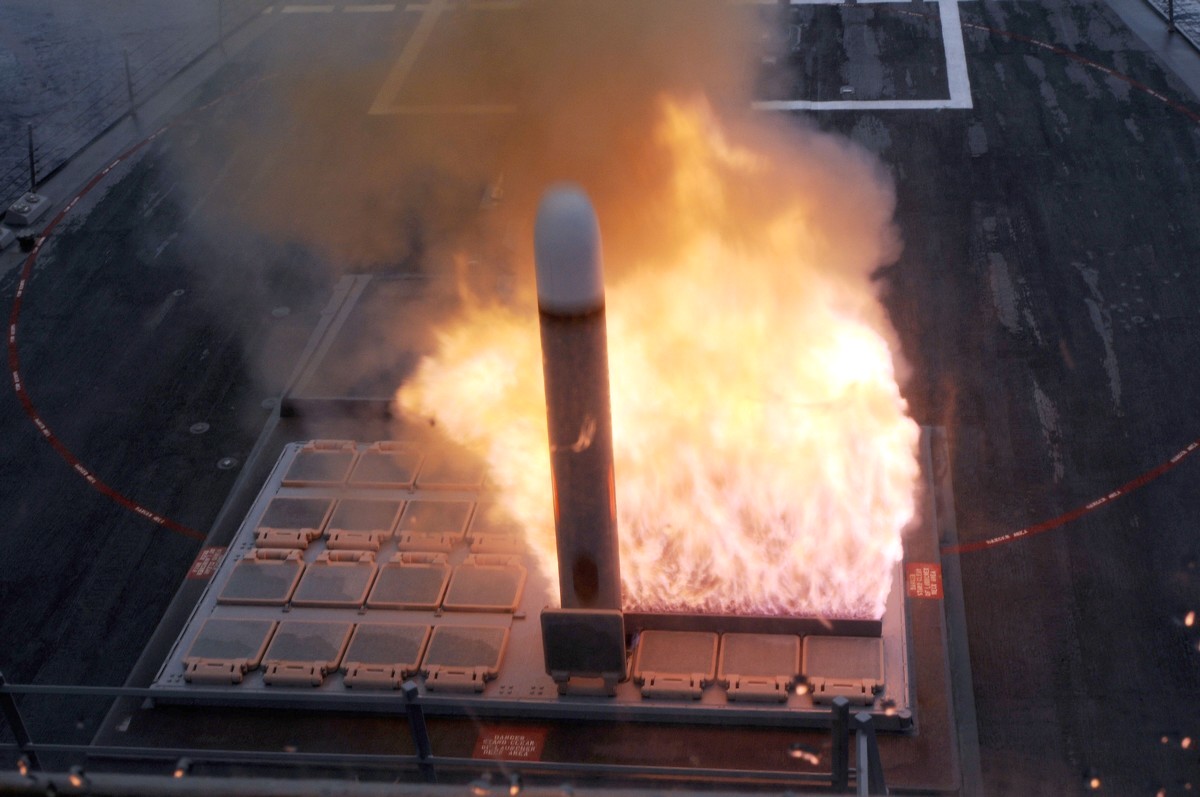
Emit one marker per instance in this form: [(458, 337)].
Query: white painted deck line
[(480, 109), (495, 5), (385, 100), (956, 55), (851, 105), (957, 77), (376, 8), (306, 9)]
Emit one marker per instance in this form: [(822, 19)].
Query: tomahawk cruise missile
[(570, 286)]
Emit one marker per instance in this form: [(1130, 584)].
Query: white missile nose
[(566, 248)]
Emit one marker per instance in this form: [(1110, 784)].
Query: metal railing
[(1181, 16), (53, 138), (422, 766)]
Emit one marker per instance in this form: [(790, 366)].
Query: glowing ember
[(765, 463)]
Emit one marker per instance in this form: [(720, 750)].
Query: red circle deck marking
[(14, 362), (18, 384), (1078, 512), (1153, 473)]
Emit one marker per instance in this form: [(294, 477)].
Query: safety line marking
[(376, 8), (957, 78), (14, 360), (1153, 473), (1078, 512), (386, 97), (1183, 109), (306, 9)]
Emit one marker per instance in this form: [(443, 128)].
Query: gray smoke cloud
[(584, 78)]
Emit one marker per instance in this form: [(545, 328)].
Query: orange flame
[(765, 462)]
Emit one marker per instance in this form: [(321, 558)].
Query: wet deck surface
[(1045, 299)]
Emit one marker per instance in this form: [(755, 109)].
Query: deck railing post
[(870, 765), (420, 733), (12, 715), (840, 744)]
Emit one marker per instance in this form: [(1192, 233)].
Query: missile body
[(570, 283)]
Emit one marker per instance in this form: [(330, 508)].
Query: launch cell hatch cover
[(365, 514), (387, 464), (263, 578), (321, 463), (463, 658), (676, 664), (486, 584), (307, 515), (584, 643), (850, 667), (759, 667), (411, 581), (225, 650), (301, 653), (336, 579), (433, 525), (381, 656)]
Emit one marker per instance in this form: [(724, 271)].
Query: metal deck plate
[(675, 663), (321, 463), (775, 655), (483, 585), (301, 653), (466, 646), (759, 667), (382, 656), (398, 645), (404, 585), (336, 584), (232, 640), (435, 517), (387, 465), (296, 514), (850, 667), (254, 582), (365, 514)]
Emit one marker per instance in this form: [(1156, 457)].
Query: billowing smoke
[(765, 462), (763, 454), (584, 77)]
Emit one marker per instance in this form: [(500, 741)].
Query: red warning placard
[(510, 743), (206, 562), (923, 580)]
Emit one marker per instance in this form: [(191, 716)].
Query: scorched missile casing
[(570, 283)]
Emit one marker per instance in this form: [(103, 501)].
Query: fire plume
[(765, 461)]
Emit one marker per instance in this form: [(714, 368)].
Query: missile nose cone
[(566, 246)]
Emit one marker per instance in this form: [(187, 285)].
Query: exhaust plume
[(764, 459)]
